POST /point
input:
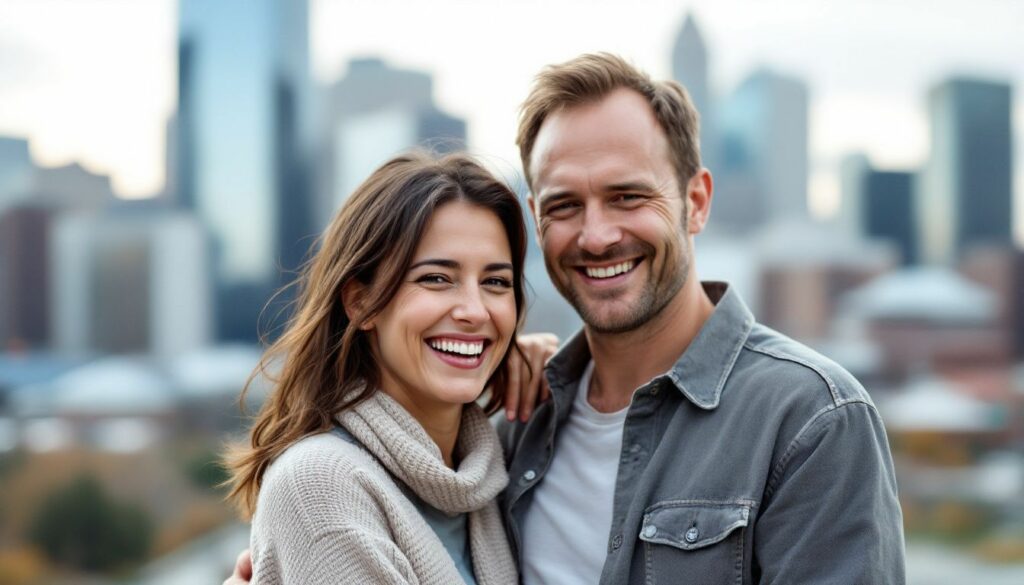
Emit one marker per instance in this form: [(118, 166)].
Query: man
[(684, 443)]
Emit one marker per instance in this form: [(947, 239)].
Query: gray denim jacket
[(753, 460)]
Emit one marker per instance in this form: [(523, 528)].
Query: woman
[(371, 461)]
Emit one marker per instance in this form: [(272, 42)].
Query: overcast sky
[(94, 80)]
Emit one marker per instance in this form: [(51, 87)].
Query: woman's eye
[(498, 281), (432, 279)]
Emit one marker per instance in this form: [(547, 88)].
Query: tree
[(81, 526)]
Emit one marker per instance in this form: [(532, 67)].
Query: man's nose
[(598, 232)]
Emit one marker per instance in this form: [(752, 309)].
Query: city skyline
[(865, 96)]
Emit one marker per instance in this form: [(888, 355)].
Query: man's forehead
[(614, 140)]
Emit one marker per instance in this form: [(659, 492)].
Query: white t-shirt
[(565, 531)]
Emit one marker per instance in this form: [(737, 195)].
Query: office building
[(763, 170), (244, 143), (374, 112), (965, 192)]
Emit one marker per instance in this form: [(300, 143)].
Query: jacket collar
[(699, 374)]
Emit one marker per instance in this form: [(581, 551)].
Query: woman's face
[(442, 336)]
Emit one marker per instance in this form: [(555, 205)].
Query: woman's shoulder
[(323, 477), (322, 462)]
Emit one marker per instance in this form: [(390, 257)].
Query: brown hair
[(323, 363), (590, 77)]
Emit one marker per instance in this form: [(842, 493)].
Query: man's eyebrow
[(553, 197), (625, 186), (631, 186)]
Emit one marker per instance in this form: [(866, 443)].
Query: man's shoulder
[(773, 355)]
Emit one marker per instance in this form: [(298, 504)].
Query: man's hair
[(589, 78)]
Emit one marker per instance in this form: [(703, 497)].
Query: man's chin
[(608, 320)]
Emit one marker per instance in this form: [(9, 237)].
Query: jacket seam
[(833, 390), (796, 443)]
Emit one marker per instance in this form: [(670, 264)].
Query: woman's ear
[(353, 298)]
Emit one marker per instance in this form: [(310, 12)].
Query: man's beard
[(658, 291)]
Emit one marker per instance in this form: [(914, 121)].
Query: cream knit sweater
[(328, 512)]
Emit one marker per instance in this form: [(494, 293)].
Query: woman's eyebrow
[(442, 262), (454, 265)]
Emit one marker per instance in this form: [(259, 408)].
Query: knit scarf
[(403, 447)]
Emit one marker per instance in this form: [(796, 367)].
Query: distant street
[(937, 565)]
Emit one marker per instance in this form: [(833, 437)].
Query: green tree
[(204, 469), (81, 526)]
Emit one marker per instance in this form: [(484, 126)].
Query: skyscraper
[(690, 68), (374, 112), (132, 280), (879, 205), (244, 141), (966, 187), (24, 276), (763, 170), (15, 169)]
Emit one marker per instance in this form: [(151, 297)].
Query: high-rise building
[(26, 280), (15, 169), (133, 280), (690, 68), (965, 191), (244, 141), (71, 186), (879, 205), (374, 112), (24, 277), (762, 175)]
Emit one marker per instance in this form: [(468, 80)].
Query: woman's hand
[(527, 385), (243, 570)]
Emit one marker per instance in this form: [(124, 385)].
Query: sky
[(93, 81)]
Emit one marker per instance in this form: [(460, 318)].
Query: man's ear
[(698, 200), (353, 298)]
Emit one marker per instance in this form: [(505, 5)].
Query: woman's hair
[(322, 363)]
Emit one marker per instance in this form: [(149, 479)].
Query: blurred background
[(165, 166)]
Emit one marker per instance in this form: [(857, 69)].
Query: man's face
[(610, 215)]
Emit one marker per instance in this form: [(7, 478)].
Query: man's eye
[(562, 207)]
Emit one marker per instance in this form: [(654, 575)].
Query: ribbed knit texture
[(328, 511)]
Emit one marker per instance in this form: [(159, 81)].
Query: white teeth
[(610, 271), (464, 348)]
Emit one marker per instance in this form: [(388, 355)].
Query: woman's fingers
[(537, 348)]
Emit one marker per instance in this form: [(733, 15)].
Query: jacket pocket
[(695, 541)]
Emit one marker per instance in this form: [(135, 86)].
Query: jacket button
[(692, 535), (650, 531), (530, 475), (616, 542)]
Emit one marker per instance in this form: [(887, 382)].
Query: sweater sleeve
[(345, 556), (316, 523)]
